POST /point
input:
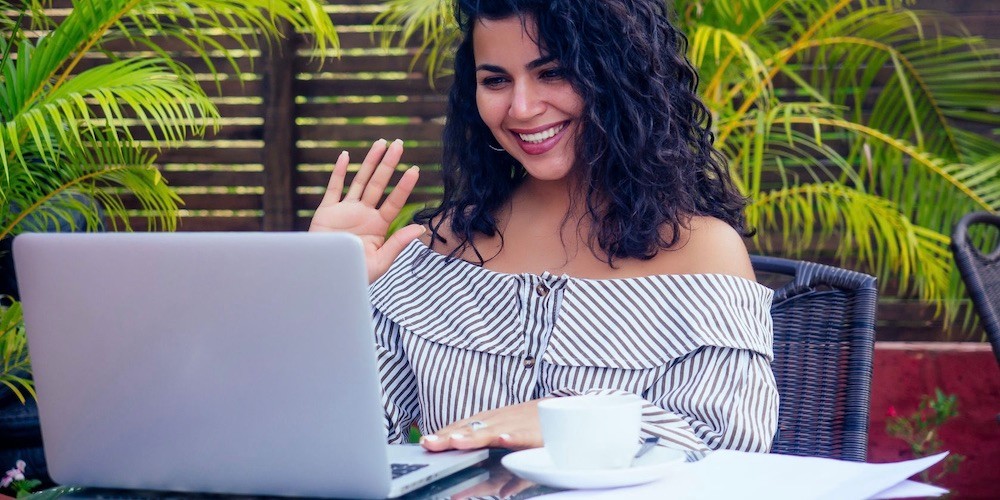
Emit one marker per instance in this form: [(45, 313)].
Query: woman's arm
[(727, 397), (714, 398)]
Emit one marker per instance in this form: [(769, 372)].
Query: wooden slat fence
[(292, 116)]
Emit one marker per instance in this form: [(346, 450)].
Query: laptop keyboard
[(402, 469)]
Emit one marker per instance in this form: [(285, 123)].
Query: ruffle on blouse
[(453, 303), (649, 321), (632, 323)]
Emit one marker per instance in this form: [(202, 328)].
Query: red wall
[(904, 371)]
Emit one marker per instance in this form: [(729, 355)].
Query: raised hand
[(514, 427), (359, 211)]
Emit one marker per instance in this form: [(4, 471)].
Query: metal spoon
[(647, 444)]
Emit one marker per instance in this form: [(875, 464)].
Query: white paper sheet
[(910, 489), (733, 474)]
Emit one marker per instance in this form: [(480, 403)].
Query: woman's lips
[(546, 144)]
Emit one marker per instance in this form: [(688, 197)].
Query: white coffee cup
[(591, 432)]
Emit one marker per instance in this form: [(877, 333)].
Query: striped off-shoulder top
[(454, 339)]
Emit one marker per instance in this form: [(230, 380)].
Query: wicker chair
[(824, 339), (981, 274)]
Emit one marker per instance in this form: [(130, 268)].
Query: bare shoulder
[(709, 246)]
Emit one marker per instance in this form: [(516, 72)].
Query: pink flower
[(892, 412), (15, 474)]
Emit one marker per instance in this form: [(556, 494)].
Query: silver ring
[(476, 425)]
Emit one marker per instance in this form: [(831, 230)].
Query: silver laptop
[(212, 362)]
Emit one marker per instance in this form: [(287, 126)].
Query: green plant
[(14, 362), (920, 430), (849, 124), (80, 126)]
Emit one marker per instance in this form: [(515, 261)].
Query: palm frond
[(723, 52), (950, 174), (169, 107), (199, 23), (14, 363), (866, 229), (915, 100), (430, 21), (64, 129), (194, 22), (105, 171)]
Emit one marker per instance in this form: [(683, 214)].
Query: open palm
[(358, 211)]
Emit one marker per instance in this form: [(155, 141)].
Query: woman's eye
[(493, 81), (554, 74)]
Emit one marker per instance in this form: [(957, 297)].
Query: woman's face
[(524, 98)]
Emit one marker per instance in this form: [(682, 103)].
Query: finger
[(397, 198), (433, 442), (335, 187), (516, 440), (380, 177), (443, 438), (467, 439), (368, 166)]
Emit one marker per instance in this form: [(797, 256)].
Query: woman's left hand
[(514, 427)]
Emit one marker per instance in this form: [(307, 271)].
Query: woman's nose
[(527, 102)]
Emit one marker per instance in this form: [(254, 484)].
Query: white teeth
[(541, 136)]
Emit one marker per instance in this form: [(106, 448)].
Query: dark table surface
[(488, 479)]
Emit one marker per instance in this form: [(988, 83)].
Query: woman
[(589, 241)]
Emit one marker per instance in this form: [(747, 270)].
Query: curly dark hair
[(645, 146)]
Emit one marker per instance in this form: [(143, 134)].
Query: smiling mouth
[(539, 137)]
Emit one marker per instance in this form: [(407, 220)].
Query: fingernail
[(504, 437), (383, 141), (415, 168), (429, 437), (458, 436), (397, 140), (343, 153)]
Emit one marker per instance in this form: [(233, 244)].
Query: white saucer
[(535, 465)]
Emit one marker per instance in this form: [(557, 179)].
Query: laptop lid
[(213, 362)]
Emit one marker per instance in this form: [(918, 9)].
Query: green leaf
[(14, 363)]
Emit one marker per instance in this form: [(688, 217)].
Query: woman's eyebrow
[(541, 61), (537, 63), (490, 67)]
